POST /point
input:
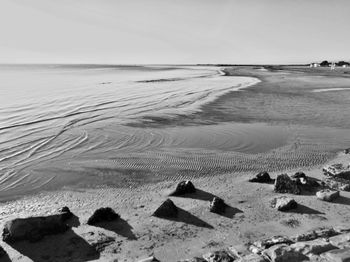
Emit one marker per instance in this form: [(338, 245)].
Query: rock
[(317, 233), (269, 242), (2, 251), (262, 177), (166, 209), (102, 214), (315, 247), (284, 253), (337, 170), (341, 241), (347, 151), (149, 259), (182, 188), (285, 203), (217, 205), (195, 259), (338, 255), (33, 228), (345, 187), (299, 175), (327, 195), (251, 258), (284, 184), (65, 212), (218, 256)]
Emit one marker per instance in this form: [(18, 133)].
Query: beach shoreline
[(198, 231)]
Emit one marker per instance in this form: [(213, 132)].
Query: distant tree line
[(325, 63)]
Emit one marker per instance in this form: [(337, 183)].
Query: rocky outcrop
[(316, 233), (218, 256), (258, 246), (337, 170), (2, 252), (33, 228), (327, 195), (217, 205), (184, 187), (166, 210), (284, 253), (262, 177), (284, 184), (101, 215), (195, 259), (284, 203), (338, 255)]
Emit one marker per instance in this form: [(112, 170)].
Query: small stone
[(65, 212), (285, 203), (347, 151), (327, 195), (338, 255), (184, 187), (149, 259), (262, 177), (284, 184), (101, 215), (217, 205), (166, 209), (299, 175), (218, 256)]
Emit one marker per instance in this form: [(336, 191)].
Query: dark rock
[(65, 212), (2, 251), (184, 187), (299, 175), (347, 151), (262, 177), (217, 205), (102, 214), (327, 195), (218, 256), (285, 203), (284, 184), (166, 209), (33, 228)]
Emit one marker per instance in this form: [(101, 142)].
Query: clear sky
[(174, 31)]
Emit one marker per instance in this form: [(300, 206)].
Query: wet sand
[(197, 231)]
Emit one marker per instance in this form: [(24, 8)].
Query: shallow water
[(85, 126)]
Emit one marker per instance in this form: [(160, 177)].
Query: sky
[(174, 31)]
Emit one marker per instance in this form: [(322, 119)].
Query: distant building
[(314, 65)]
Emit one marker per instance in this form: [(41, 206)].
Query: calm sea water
[(87, 125)]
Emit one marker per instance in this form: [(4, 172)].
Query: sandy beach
[(196, 231)]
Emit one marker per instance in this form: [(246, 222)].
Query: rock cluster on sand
[(220, 255), (284, 184), (184, 187), (33, 228), (262, 177), (167, 210), (217, 205), (102, 214), (327, 195), (337, 170), (284, 203)]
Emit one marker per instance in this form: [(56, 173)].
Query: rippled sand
[(169, 124)]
